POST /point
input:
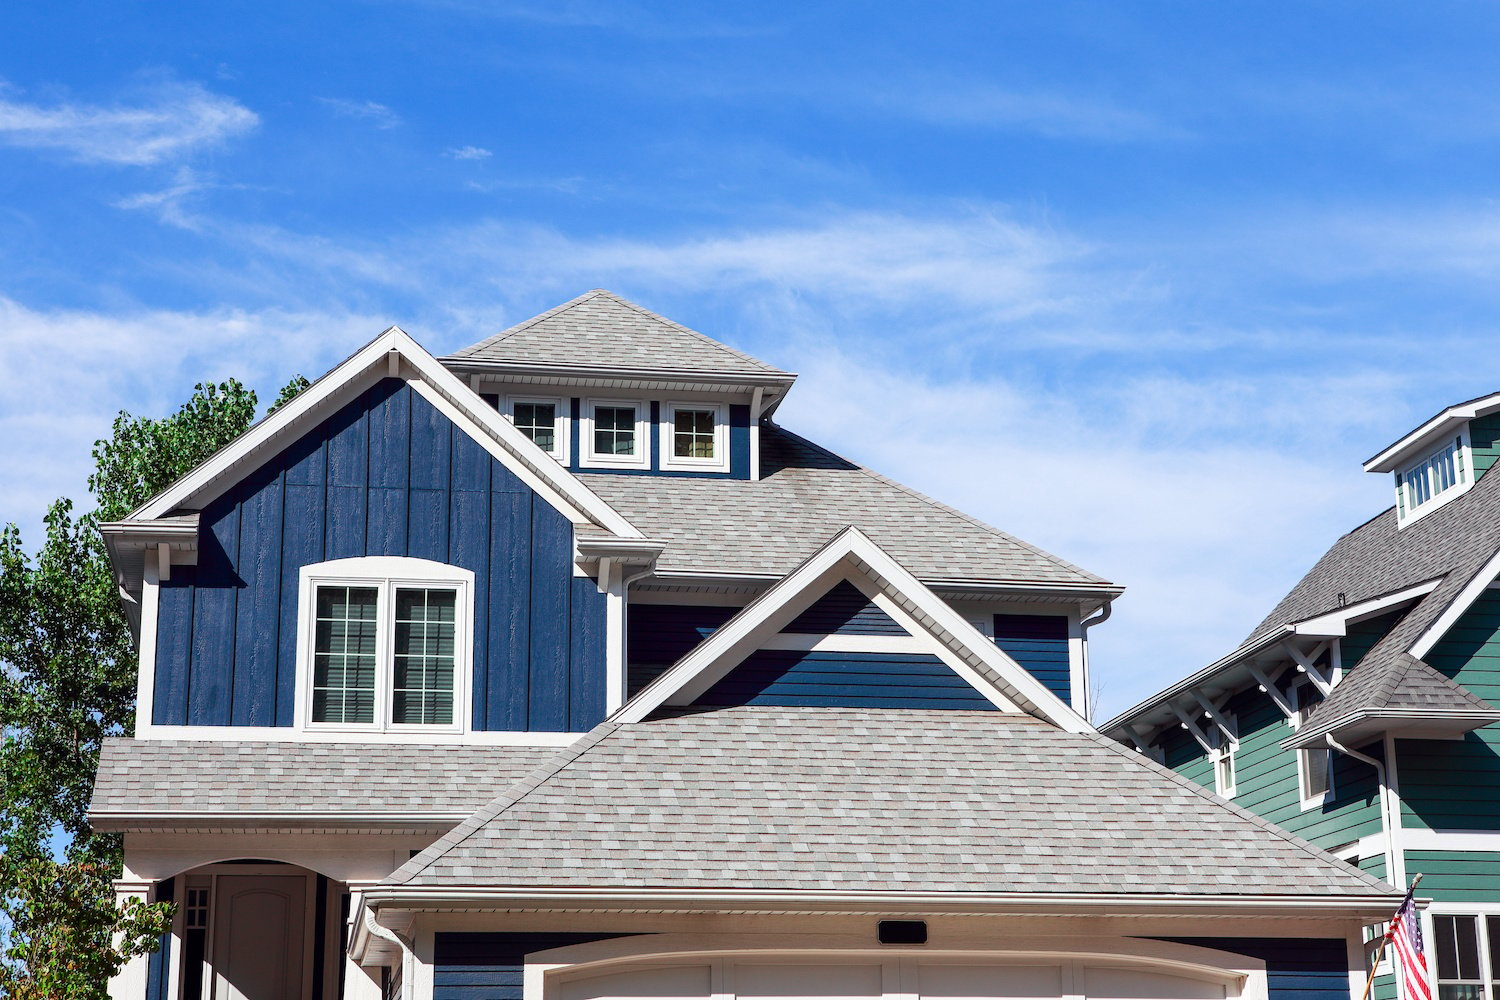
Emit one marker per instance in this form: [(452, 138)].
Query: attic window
[(614, 435), (541, 421), (694, 438), (1438, 477)]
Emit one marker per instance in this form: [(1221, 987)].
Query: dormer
[(605, 386), (1441, 460)]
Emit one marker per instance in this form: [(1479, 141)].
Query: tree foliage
[(67, 681)]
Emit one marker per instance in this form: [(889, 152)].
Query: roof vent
[(903, 932)]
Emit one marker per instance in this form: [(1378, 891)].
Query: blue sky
[(1141, 283)]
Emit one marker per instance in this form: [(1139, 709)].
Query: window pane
[(423, 660), (693, 433), (1457, 948), (614, 430), (538, 421), (344, 655)]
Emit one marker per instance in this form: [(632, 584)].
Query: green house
[(1355, 714)]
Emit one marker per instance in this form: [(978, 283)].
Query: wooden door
[(259, 937)]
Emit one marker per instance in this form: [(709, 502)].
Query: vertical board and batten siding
[(159, 962), (1266, 776), (491, 965), (1296, 968), (1484, 442), (803, 679), (387, 475), (1040, 644), (1455, 784), (658, 635)]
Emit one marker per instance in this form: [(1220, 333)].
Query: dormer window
[(615, 434), (385, 644), (541, 420), (1440, 475), (695, 438)]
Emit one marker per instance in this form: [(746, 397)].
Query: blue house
[(557, 668)]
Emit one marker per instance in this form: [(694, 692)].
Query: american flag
[(1405, 935)]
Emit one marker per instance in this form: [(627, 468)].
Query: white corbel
[(1191, 725), (1268, 685), (1226, 725), (1308, 665)]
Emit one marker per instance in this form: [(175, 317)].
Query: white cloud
[(1055, 115), (470, 153), (377, 114), (170, 122)]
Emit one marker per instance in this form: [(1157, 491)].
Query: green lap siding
[(1484, 440), (1374, 865), (1266, 776), (1455, 784), (1457, 876)]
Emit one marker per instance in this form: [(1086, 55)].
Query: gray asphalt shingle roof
[(601, 329), (169, 777), (869, 800), (805, 496)]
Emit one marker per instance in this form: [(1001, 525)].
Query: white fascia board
[(369, 363), (1476, 586), (1408, 723), (739, 636), (400, 898), (1336, 623), (1393, 455)]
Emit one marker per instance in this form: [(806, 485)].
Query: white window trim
[(1321, 799), (561, 426), (720, 461), (1459, 909), (1464, 472), (591, 459), (1224, 749), (386, 573)]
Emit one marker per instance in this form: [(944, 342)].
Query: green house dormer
[(1442, 459)]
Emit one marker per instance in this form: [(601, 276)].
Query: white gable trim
[(852, 555), (1477, 585), (1444, 423), (1336, 623), (393, 353)]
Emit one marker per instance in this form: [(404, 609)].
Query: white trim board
[(1477, 585), (293, 734), (851, 555), (390, 354)]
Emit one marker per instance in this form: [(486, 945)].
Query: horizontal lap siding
[(1455, 784), (1039, 643), (798, 679), (1484, 439), (387, 475), (1266, 776), (1457, 876), (1363, 636), (1296, 968), (844, 611), (661, 634), (491, 966)]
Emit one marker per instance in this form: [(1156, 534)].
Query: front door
[(259, 932)]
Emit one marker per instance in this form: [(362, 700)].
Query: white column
[(130, 982)]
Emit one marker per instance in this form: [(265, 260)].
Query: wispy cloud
[(1047, 113), (470, 153), (171, 121), (371, 111)]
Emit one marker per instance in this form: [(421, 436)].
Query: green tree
[(67, 681)]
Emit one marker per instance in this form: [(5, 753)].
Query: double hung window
[(1223, 760), (1315, 765), (386, 644)]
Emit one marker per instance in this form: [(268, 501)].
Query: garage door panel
[(791, 982), (979, 982), (658, 983), (1143, 984)]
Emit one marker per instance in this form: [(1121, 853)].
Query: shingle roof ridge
[(512, 794), (526, 324), (969, 518), (657, 317), (1239, 810)]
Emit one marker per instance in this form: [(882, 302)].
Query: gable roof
[(600, 330), (805, 494), (850, 555), (809, 801), (1436, 427)]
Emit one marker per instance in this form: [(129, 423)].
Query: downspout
[(1083, 634), (386, 934), (1394, 867)]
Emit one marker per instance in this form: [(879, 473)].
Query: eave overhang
[(640, 552), (773, 386), (1357, 728), (1440, 425), (111, 821), (169, 540)]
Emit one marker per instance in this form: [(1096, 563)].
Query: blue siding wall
[(739, 445), (844, 680), (845, 611), (159, 962), (386, 475), (491, 966), (1296, 968), (662, 634), (1040, 644)]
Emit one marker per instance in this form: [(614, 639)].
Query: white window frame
[(594, 460), (720, 461), (1429, 929), (386, 574), (1309, 800), (561, 426), (1223, 752), (1463, 478)]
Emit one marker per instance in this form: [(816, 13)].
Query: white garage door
[(877, 980)]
